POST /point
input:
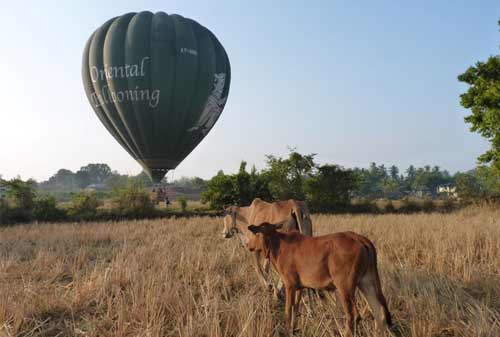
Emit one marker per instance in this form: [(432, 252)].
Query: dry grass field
[(178, 277)]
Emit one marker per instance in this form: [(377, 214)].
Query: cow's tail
[(376, 279)]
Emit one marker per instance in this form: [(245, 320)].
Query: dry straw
[(178, 277)]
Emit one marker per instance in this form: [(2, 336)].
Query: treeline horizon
[(331, 187), (374, 181), (96, 173), (327, 188)]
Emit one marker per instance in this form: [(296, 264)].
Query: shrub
[(46, 209), (4, 212), (19, 200), (448, 205), (409, 206), (389, 207), (132, 200), (428, 205), (182, 203), (363, 206), (84, 205)]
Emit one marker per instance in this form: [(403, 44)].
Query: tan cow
[(260, 212), (292, 214), (343, 261)]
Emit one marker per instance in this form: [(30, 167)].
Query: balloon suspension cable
[(157, 175)]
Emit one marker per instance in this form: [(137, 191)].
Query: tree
[(394, 172), (219, 191), (483, 99), (372, 181), (488, 179), (21, 194), (240, 188), (331, 188), (63, 181), (287, 176), (411, 174), (132, 199), (19, 199), (93, 174), (194, 182), (467, 186), (46, 209), (84, 205), (115, 181)]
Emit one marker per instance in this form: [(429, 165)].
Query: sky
[(352, 81)]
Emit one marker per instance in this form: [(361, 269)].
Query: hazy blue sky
[(352, 81)]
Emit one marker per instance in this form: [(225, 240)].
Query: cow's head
[(263, 237), (230, 227)]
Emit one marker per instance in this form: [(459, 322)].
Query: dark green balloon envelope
[(158, 83)]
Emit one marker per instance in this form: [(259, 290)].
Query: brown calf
[(342, 261)]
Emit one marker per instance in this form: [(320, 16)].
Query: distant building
[(421, 192), (95, 187), (449, 190)]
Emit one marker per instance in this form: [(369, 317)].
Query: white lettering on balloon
[(106, 95), (122, 71)]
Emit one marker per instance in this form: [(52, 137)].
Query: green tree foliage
[(240, 188), (4, 211), (378, 182), (187, 182), (46, 209), (219, 191), (84, 205), (489, 180), (133, 200), (63, 181), (93, 174), (331, 188), (19, 200), (115, 181), (287, 176), (372, 180), (467, 186), (430, 178), (483, 99), (182, 203)]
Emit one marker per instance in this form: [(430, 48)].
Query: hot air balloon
[(158, 83)]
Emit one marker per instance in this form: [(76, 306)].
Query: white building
[(448, 190)]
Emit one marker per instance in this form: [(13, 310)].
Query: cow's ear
[(254, 229)]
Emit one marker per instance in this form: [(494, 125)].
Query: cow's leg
[(265, 265), (296, 307), (289, 306), (346, 295), (271, 283), (258, 268), (357, 316)]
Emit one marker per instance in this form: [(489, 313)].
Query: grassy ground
[(178, 277)]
